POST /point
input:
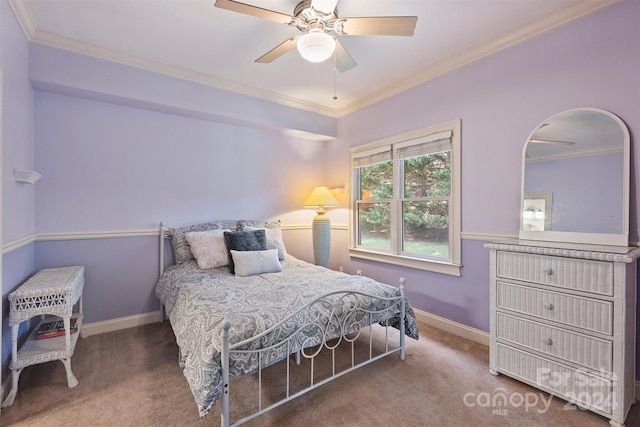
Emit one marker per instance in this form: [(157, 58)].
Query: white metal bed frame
[(332, 329)]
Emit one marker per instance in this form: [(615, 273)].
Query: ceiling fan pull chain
[(335, 78)]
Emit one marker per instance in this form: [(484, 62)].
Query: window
[(406, 199)]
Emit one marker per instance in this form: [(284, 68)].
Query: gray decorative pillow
[(273, 232), (181, 248), (274, 240), (248, 263), (244, 241)]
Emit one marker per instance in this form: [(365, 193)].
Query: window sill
[(418, 263)]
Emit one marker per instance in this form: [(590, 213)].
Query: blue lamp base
[(321, 229)]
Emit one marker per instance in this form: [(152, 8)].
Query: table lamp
[(320, 198)]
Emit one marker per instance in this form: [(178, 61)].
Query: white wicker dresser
[(563, 320), (54, 292)]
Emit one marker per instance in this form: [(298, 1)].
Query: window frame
[(395, 255)]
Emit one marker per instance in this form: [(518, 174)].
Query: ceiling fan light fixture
[(316, 45)]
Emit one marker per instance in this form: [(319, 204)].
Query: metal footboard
[(333, 328), (336, 328)]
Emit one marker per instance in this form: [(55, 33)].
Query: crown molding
[(87, 49), (24, 17)]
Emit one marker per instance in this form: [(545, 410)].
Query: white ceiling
[(195, 40)]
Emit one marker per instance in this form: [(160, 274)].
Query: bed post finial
[(163, 316), (162, 230), (402, 282)]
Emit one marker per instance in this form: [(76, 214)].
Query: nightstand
[(52, 292)]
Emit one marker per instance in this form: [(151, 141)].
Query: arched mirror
[(575, 179)]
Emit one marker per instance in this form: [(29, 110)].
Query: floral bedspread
[(199, 302)]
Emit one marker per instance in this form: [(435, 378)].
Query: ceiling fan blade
[(549, 141), (344, 61), (259, 12), (325, 6), (279, 50), (379, 25)]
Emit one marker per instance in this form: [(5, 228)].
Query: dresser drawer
[(585, 350), (586, 313), (573, 385), (582, 275)]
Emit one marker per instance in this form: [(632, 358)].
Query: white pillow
[(274, 240), (208, 248), (248, 263)]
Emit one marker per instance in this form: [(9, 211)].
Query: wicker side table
[(52, 291)]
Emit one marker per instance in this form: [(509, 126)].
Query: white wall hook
[(28, 177)]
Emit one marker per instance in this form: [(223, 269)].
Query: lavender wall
[(593, 62), (17, 152), (117, 168), (60, 71), (120, 273), (110, 167)]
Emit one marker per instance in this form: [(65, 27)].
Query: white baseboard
[(446, 325), (464, 331), (119, 323)]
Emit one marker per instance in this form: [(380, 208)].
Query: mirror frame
[(621, 239)]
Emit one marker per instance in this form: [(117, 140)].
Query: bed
[(271, 307)]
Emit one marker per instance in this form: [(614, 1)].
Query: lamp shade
[(316, 45), (321, 197)]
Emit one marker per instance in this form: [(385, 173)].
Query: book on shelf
[(55, 328)]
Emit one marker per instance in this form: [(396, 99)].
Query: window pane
[(425, 228), (376, 181), (428, 176), (375, 225)]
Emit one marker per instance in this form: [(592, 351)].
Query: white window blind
[(429, 144), (371, 157)]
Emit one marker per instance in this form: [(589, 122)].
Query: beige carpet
[(131, 378)]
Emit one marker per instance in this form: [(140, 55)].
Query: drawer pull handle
[(548, 306), (548, 271), (547, 341)]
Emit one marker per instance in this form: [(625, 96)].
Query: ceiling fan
[(317, 19)]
